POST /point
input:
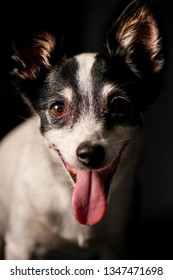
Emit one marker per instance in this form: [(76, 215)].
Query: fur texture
[(68, 173)]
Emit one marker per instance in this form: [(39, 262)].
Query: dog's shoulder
[(13, 150)]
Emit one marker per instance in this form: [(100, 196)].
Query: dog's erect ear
[(35, 56), (136, 36)]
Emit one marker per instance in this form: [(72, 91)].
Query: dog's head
[(90, 105)]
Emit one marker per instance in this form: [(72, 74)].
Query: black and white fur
[(85, 133)]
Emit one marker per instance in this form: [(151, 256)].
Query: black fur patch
[(105, 70)]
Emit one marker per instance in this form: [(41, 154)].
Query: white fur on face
[(108, 89), (85, 62), (68, 93)]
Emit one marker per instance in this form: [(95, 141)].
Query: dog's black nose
[(91, 155)]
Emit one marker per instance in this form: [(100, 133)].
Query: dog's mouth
[(91, 190)]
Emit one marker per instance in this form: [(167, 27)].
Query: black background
[(83, 26)]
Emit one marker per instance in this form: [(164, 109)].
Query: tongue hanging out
[(91, 189), (89, 198)]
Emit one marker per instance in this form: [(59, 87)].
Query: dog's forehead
[(90, 75), (84, 77)]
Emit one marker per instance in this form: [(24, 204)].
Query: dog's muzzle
[(92, 183)]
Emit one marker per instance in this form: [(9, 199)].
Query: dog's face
[(88, 116), (90, 105)]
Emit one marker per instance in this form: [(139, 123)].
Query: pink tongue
[(89, 199)]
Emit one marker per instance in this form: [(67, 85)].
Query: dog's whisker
[(125, 84), (123, 140), (38, 159), (119, 141), (24, 118)]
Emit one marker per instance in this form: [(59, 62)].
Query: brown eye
[(58, 109)]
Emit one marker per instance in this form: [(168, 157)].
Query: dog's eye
[(121, 107), (58, 109)]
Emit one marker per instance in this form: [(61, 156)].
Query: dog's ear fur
[(136, 36), (34, 57)]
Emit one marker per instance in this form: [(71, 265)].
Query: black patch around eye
[(121, 109), (58, 115)]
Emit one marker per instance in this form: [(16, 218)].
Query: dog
[(68, 173)]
